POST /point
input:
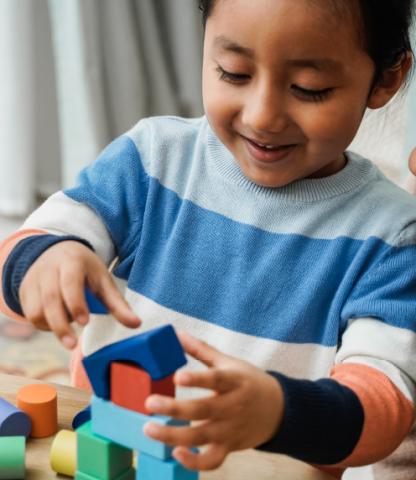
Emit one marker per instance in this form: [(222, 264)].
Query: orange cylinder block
[(39, 401)]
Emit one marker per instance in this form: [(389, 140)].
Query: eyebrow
[(316, 63), (228, 45), (223, 43)]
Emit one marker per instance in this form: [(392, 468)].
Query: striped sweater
[(315, 281)]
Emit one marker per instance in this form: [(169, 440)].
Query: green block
[(12, 457), (130, 474), (100, 458)]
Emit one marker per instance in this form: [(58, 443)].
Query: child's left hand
[(245, 409)]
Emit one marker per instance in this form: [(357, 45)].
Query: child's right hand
[(52, 291)]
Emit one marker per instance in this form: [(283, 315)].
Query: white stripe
[(296, 360), (60, 215), (388, 349)]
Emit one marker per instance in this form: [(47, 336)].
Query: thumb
[(200, 350)]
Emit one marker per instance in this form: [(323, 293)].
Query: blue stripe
[(115, 187), (279, 286), (284, 287)]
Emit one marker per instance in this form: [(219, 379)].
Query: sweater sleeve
[(365, 409), (21, 259), (104, 210)]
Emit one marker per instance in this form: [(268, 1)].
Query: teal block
[(129, 474), (99, 457), (151, 468), (125, 427)]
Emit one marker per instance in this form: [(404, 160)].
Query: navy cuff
[(322, 421), (21, 259)]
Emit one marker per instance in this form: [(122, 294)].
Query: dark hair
[(385, 23)]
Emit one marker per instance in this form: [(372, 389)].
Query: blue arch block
[(157, 351), (13, 422)]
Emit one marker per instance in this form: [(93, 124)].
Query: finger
[(213, 408), (32, 308), (220, 380), (55, 313), (72, 282), (200, 350), (187, 436), (106, 290), (210, 458)]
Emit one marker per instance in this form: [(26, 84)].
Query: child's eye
[(312, 95), (231, 77)]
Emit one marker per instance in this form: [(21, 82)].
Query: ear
[(390, 82)]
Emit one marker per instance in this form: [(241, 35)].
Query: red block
[(130, 386)]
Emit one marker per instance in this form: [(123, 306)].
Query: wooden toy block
[(151, 468), (95, 305), (100, 457), (39, 401), (130, 386), (81, 417), (126, 427), (12, 457), (157, 351), (63, 454), (13, 422), (129, 474)]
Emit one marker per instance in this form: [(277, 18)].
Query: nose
[(264, 110)]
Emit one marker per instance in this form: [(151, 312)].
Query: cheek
[(333, 124), (219, 107)]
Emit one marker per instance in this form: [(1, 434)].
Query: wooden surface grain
[(246, 465)]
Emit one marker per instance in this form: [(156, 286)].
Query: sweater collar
[(357, 172)]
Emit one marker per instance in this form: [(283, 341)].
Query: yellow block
[(63, 456)]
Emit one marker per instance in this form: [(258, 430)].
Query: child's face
[(263, 60)]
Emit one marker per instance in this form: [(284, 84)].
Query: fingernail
[(183, 377), (82, 319), (68, 341), (153, 403), (150, 429)]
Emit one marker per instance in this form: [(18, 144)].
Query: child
[(253, 229)]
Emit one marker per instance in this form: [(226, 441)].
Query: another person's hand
[(244, 410), (52, 291), (410, 184)]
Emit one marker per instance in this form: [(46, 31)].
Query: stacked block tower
[(122, 376)]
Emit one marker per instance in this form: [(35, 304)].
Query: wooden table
[(246, 465)]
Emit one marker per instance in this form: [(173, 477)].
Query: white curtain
[(77, 73)]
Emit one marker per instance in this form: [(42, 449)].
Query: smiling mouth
[(268, 147), (267, 152)]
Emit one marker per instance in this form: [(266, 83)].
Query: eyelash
[(308, 95)]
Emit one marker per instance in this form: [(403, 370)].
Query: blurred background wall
[(77, 73)]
